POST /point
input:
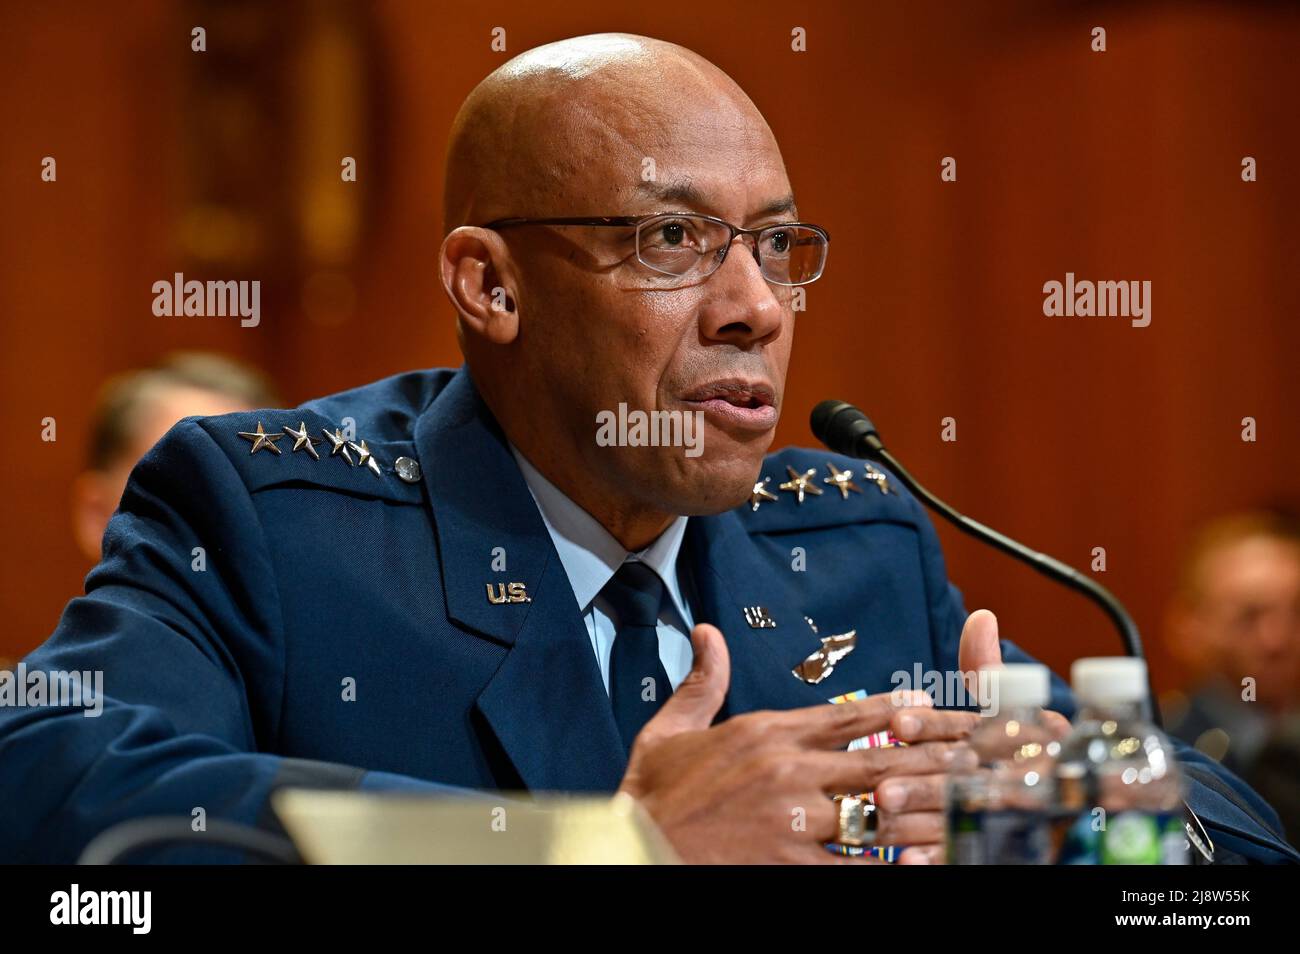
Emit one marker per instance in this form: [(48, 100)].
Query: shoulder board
[(270, 448), (836, 490)]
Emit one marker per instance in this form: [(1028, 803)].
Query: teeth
[(745, 399)]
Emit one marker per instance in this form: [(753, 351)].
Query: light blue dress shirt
[(591, 557)]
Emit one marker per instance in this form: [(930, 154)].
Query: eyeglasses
[(690, 245)]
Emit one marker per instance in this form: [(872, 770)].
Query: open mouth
[(744, 405)]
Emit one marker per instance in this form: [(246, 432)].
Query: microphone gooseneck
[(846, 430)]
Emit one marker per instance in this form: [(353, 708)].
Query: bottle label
[(1126, 838)]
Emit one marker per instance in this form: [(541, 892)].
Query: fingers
[(925, 724), (913, 828), (911, 717), (833, 727), (825, 827), (862, 770), (911, 813), (835, 858), (699, 697), (1057, 724), (979, 647), (921, 793), (923, 855)]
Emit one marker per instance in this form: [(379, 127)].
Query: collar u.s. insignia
[(498, 593)]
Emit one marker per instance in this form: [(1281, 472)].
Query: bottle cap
[(1015, 686), (1109, 680)]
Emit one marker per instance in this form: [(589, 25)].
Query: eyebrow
[(692, 198)]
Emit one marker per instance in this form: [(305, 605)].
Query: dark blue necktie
[(638, 684)]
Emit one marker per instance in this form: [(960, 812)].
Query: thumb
[(979, 647), (699, 697)]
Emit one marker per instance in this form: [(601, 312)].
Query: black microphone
[(846, 430)]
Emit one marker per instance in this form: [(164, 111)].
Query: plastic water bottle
[(999, 813), (1119, 789)]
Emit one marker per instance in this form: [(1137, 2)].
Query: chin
[(715, 483)]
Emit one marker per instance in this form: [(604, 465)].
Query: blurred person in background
[(1235, 625), (136, 408)]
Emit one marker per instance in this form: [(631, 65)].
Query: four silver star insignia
[(340, 446), (803, 485)]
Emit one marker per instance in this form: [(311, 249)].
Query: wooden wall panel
[(1072, 433)]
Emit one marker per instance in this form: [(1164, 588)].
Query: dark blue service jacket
[(265, 619)]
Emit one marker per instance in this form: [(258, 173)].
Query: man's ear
[(478, 275), (92, 507)]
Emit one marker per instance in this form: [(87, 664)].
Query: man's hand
[(981, 649), (756, 788), (911, 809)]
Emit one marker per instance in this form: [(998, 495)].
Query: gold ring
[(857, 822)]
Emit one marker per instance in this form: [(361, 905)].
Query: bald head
[(567, 128), (563, 323)]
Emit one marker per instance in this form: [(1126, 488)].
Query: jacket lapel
[(546, 704), (730, 574)]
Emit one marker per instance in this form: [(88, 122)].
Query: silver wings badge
[(821, 664)]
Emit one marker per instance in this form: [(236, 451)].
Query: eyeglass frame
[(628, 221)]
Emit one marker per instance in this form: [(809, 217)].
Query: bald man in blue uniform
[(444, 581), (323, 575)]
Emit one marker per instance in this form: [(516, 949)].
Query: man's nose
[(741, 307)]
